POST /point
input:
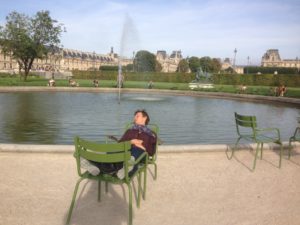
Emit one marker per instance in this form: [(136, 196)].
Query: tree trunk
[(26, 72)]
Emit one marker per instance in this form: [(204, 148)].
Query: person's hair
[(144, 113)]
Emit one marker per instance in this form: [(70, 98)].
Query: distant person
[(73, 83), (243, 88), (96, 83), (282, 90), (150, 84), (51, 82)]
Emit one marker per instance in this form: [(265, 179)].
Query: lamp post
[(248, 63), (235, 51), (297, 64), (94, 61), (133, 54)]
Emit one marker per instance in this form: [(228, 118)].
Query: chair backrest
[(243, 121), (98, 152)]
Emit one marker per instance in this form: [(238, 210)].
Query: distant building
[(226, 63), (65, 60), (272, 59), (168, 63)]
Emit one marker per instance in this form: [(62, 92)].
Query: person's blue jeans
[(136, 152)]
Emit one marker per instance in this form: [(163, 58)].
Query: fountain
[(128, 39), (203, 80)]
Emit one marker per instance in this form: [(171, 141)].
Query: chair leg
[(145, 184), (256, 153), (280, 159), (139, 189), (235, 146), (155, 171), (129, 204), (290, 148), (261, 150), (73, 201), (99, 191)]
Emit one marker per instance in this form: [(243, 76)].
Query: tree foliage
[(207, 64), (194, 63), (183, 66), (210, 65), (145, 61), (27, 38)]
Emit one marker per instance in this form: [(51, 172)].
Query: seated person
[(141, 138), (73, 83), (51, 82), (96, 83)]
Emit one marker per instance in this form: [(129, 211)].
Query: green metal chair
[(108, 153), (294, 138), (151, 159), (247, 129)]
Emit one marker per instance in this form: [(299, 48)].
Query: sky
[(196, 27)]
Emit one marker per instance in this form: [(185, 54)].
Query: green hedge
[(291, 80), (134, 76), (265, 70)]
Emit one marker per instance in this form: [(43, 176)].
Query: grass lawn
[(257, 90)]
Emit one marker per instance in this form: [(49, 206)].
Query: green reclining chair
[(247, 129), (108, 153)]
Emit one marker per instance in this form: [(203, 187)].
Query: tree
[(183, 66), (210, 65), (28, 38), (216, 65), (145, 61), (194, 63)]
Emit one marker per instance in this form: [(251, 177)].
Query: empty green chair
[(246, 127), (294, 138), (151, 159), (108, 153)]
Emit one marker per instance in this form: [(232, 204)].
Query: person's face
[(140, 119)]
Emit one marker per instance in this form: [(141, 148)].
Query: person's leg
[(136, 152), (89, 166)]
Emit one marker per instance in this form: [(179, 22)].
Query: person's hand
[(138, 143)]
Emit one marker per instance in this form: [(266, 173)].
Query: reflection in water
[(55, 118), (26, 122)]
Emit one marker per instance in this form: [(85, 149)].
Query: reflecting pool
[(56, 117)]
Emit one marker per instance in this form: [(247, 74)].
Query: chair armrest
[(265, 130), (110, 138)]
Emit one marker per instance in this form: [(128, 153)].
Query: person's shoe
[(121, 172), (92, 169), (131, 160)]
